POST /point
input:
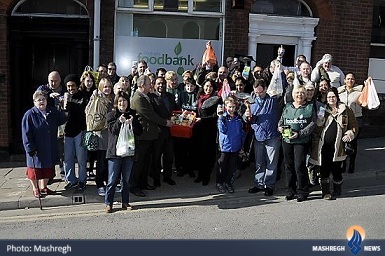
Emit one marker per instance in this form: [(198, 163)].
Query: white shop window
[(167, 26), (174, 5)]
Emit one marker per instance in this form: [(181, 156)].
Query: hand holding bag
[(373, 100), (275, 86), (125, 145)]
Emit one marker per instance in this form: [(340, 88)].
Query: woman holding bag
[(349, 95), (119, 166)]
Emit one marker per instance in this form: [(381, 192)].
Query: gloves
[(32, 153)]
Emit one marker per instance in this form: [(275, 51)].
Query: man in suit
[(164, 104), (150, 121)]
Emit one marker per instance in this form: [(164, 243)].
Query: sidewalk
[(16, 191)]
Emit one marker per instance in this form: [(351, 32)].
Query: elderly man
[(324, 68), (55, 98), (53, 89), (145, 142)]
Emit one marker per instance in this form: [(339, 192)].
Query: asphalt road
[(236, 216)]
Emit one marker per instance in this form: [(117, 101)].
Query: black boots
[(325, 188), (337, 188)]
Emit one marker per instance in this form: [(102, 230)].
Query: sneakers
[(229, 188), (70, 185), (118, 189), (102, 192), (220, 188), (108, 209), (81, 186)]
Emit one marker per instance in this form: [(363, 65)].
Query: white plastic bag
[(373, 100), (125, 145), (275, 87)]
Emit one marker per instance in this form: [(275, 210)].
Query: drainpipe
[(96, 33)]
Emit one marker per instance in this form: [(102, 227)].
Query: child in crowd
[(231, 138)]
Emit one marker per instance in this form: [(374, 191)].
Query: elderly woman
[(39, 130), (349, 94), (337, 127), (296, 125)]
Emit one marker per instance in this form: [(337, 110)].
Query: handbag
[(90, 141), (349, 150), (125, 145)]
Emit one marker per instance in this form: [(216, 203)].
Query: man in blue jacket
[(264, 115)]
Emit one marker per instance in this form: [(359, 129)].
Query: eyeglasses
[(111, 69)]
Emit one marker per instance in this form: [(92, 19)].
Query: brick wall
[(344, 31), (236, 30)]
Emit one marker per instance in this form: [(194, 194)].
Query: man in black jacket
[(164, 104)]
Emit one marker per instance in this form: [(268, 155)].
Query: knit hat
[(72, 78)]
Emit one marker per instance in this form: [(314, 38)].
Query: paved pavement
[(16, 191)]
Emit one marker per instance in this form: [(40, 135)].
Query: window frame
[(190, 11)]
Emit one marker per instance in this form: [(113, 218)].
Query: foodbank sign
[(172, 54), (177, 59)]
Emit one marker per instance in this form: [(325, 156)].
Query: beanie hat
[(72, 78)]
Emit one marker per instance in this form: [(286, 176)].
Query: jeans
[(266, 162), (118, 167), (72, 149)]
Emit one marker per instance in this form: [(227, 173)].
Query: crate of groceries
[(183, 123)]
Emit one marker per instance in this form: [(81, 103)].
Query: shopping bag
[(275, 86), (125, 146), (209, 55), (373, 100), (363, 99), (96, 112), (226, 90), (90, 141)]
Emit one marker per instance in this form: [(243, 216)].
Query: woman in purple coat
[(39, 131)]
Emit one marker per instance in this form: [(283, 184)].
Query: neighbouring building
[(38, 36)]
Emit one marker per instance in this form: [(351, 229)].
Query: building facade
[(38, 36)]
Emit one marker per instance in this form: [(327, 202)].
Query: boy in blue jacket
[(231, 138)]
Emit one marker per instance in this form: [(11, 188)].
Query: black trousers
[(328, 166), (163, 155), (227, 165), (297, 179), (140, 169), (101, 168)]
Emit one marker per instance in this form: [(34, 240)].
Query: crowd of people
[(305, 128)]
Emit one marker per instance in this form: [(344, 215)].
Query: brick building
[(38, 36)]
